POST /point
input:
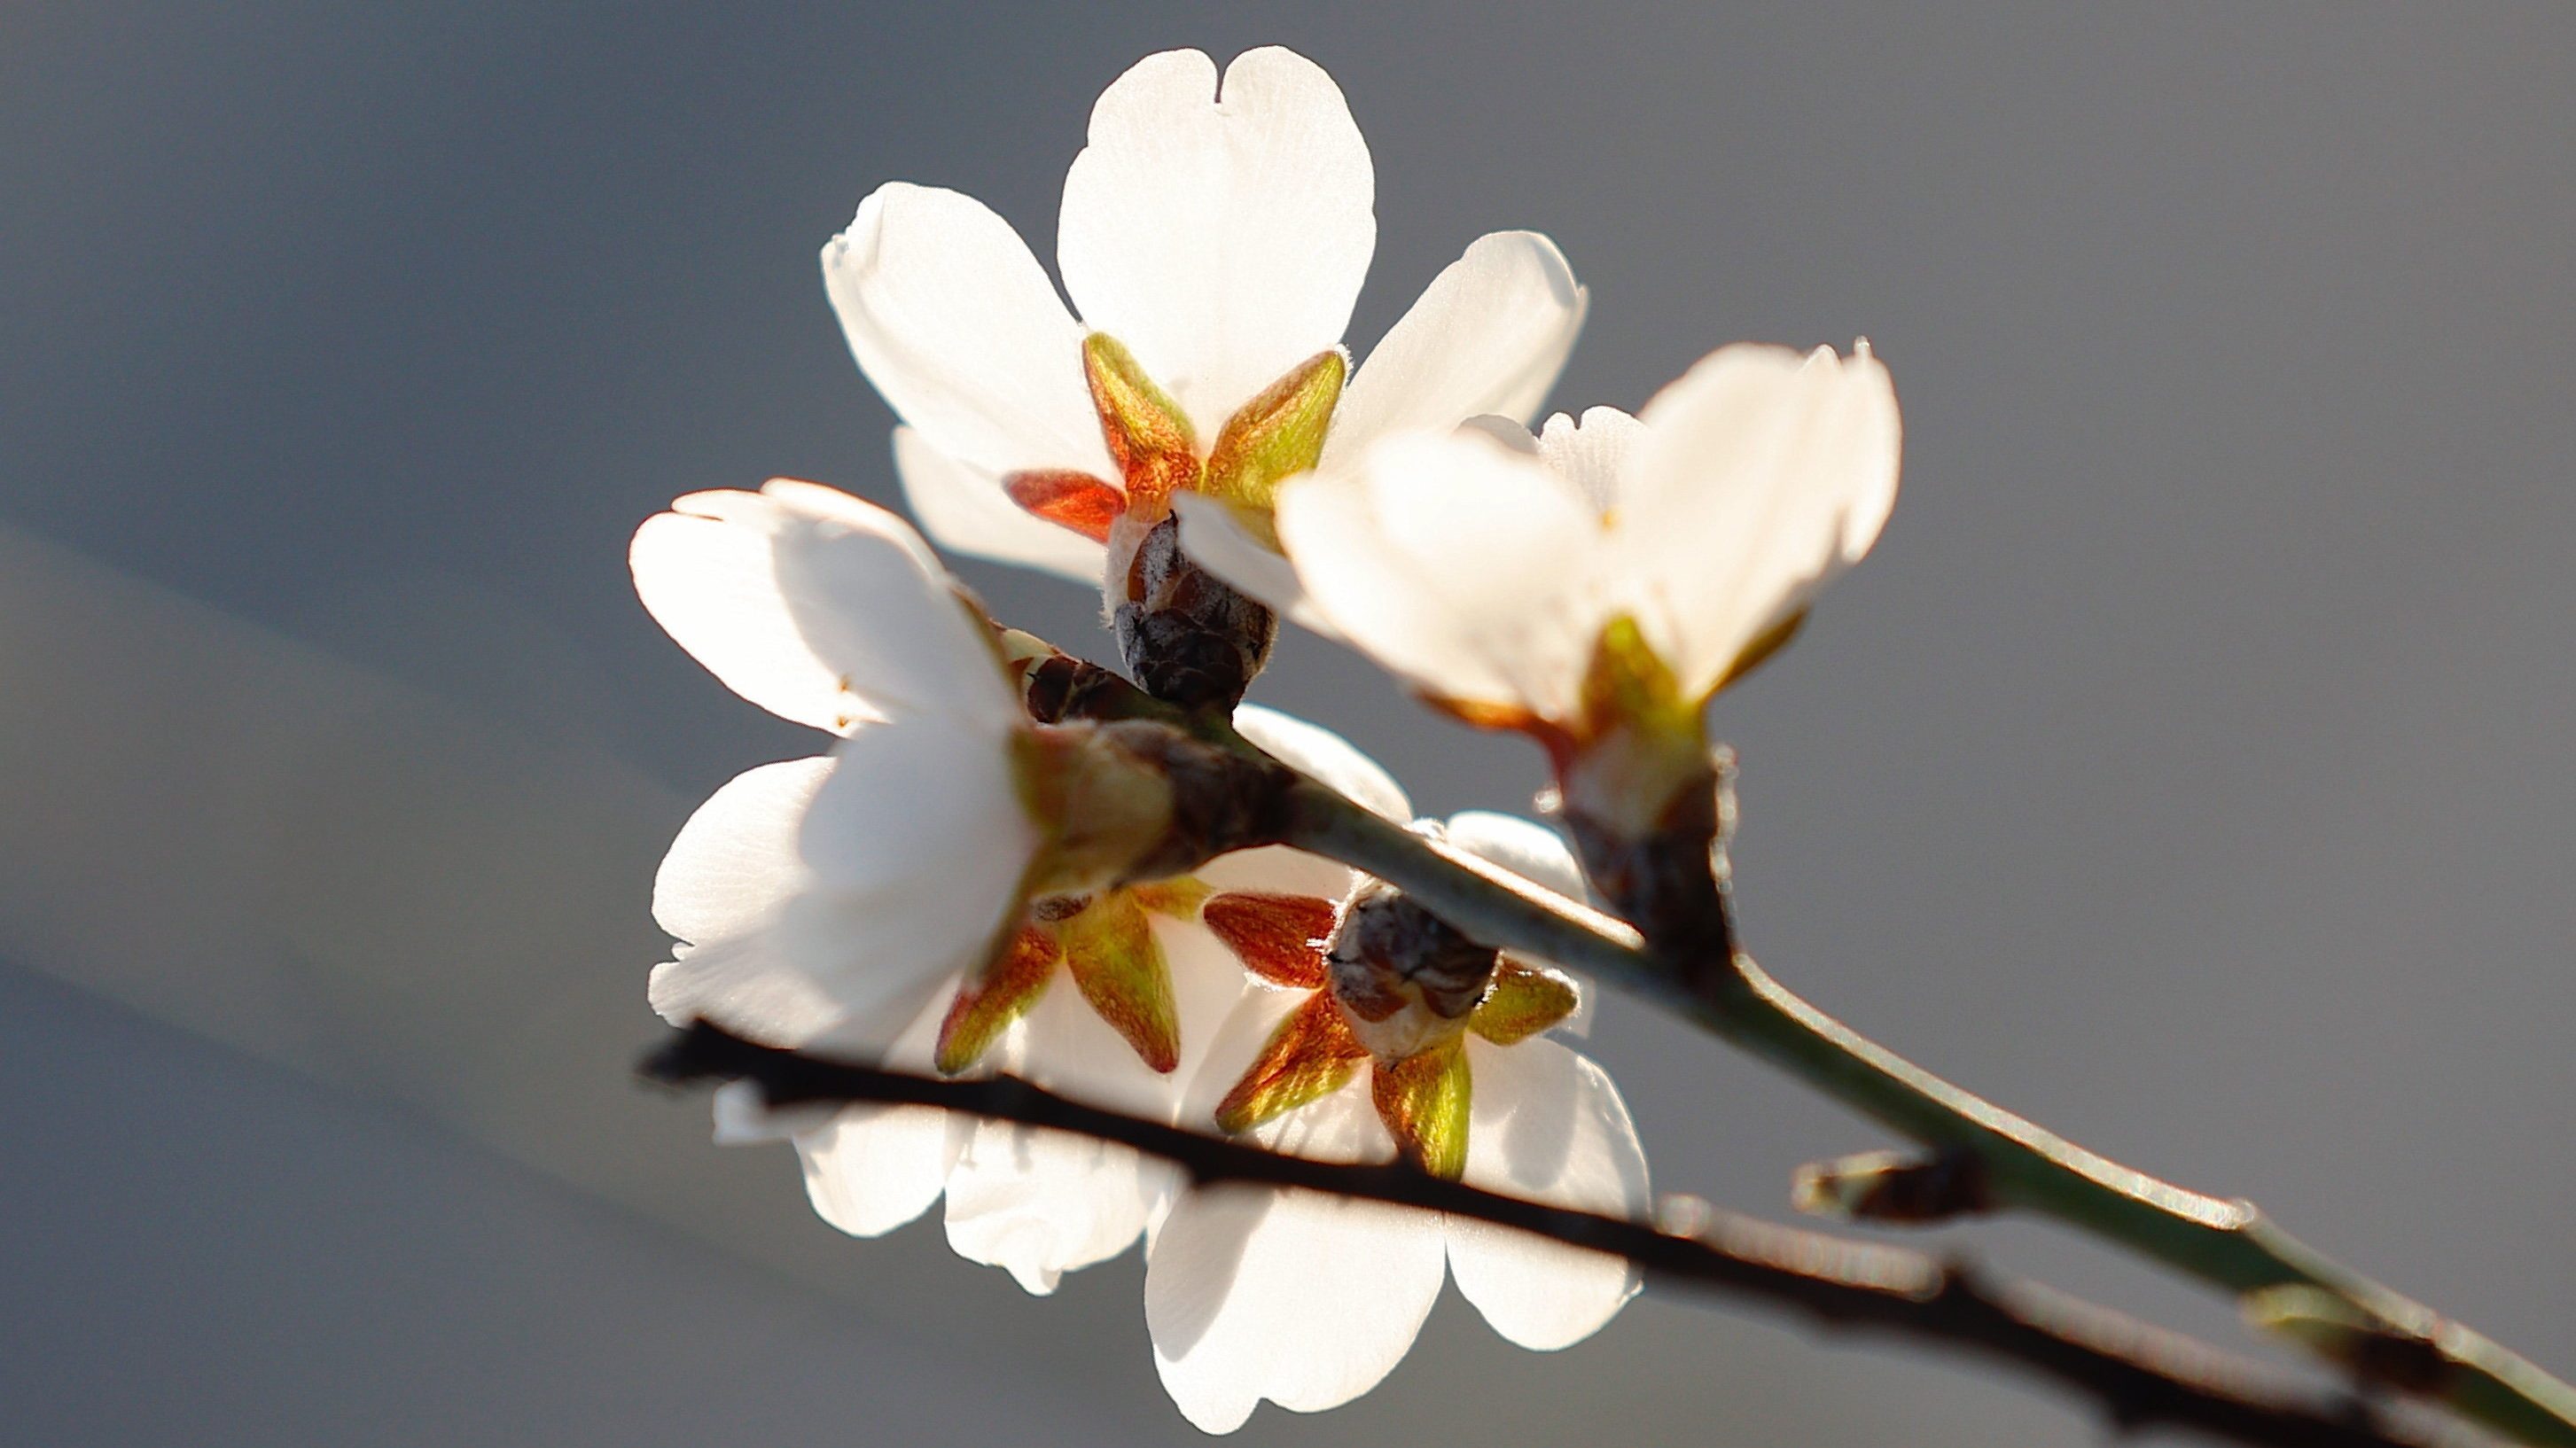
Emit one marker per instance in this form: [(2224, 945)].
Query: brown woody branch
[(2137, 1374)]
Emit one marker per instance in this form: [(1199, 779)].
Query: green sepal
[(1149, 436), (1627, 682), (1118, 965), (1276, 435), (1523, 1001), (999, 994), (1424, 1100), (1308, 1057)]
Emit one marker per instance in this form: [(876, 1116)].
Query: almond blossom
[(1212, 239), (1309, 1300), (950, 958), (1592, 586)]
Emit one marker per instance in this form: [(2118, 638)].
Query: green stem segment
[(2227, 1244)]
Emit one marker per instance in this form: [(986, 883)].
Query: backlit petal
[(1763, 476), (875, 606), (916, 845), (968, 512), (1303, 1299), (1221, 234), (708, 574), (1042, 1203), (736, 859), (1489, 335), (1548, 1126), (1453, 562), (870, 1169), (1321, 754), (1214, 536), (955, 322), (1594, 453), (1525, 847)]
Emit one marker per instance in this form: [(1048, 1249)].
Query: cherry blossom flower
[(1212, 241), (1310, 1300), (830, 612)]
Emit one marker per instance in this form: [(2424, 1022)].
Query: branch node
[(1895, 1187)]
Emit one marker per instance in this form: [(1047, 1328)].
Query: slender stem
[(2225, 1243), (2137, 1374)]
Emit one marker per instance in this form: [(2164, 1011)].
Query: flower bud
[(1891, 1186), (1187, 636)]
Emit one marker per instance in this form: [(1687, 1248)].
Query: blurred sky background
[(2190, 768)]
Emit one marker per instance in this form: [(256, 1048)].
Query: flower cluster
[(969, 881)]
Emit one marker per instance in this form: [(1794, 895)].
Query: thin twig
[(2136, 1374), (2228, 1244), (2398, 1343)]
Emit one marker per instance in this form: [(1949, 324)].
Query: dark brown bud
[(1187, 637), (1887, 1186)]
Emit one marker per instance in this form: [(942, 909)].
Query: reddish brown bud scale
[(1072, 500), (1148, 435), (1280, 938)]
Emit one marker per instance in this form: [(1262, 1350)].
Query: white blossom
[(831, 612), (1309, 1300), (1218, 238), (1484, 565)]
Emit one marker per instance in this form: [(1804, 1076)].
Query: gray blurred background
[(2189, 769)]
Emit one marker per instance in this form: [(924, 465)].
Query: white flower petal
[(967, 511), (955, 322), (1321, 754), (736, 859), (1216, 540), (708, 574), (1594, 453), (1303, 1299), (1763, 476), (916, 843), (875, 606), (1278, 870), (1453, 562), (1525, 847), (1546, 1125), (1222, 237), (1489, 335), (748, 985), (1042, 1203), (870, 1169)]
